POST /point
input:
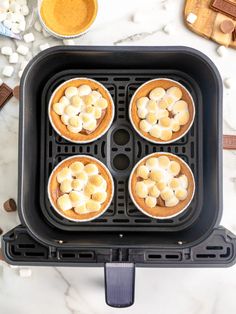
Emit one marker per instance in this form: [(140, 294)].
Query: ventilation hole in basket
[(102, 79), (121, 109), (68, 255), (183, 150), (121, 94), (26, 246), (50, 149), (172, 256), (146, 149), (169, 149), (142, 79), (122, 87), (80, 149), (73, 149), (192, 131), (227, 254), (88, 149), (103, 149), (50, 167), (95, 149), (50, 131), (121, 116), (206, 256), (121, 220), (127, 149), (121, 137), (214, 247), (121, 162), (58, 149), (114, 149), (192, 167), (121, 204), (87, 255), (121, 190), (59, 158), (153, 256), (34, 254), (161, 148), (120, 182), (66, 149), (121, 197), (120, 212), (121, 102), (142, 220), (139, 149), (192, 149), (125, 79), (154, 149)]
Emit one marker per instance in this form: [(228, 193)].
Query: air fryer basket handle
[(119, 284)]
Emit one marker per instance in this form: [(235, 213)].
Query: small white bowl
[(49, 190)]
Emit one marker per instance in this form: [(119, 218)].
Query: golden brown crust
[(54, 188), (61, 127), (144, 92), (159, 211)]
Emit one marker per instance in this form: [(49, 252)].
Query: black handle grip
[(119, 284)]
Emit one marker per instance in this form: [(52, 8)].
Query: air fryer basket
[(122, 236)]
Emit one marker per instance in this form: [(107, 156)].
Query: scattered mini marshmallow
[(14, 266), (44, 46), (22, 50), (45, 33), (167, 29), (25, 272), (137, 17), (21, 2), (221, 51), (38, 26), (5, 4), (22, 25), (14, 57), (25, 10), (191, 18), (29, 37), (15, 28), (3, 16), (20, 73), (8, 70), (7, 23), (229, 82), (68, 42), (6, 50)]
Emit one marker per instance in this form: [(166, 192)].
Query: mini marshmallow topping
[(82, 188), (162, 112), (160, 179), (81, 109)]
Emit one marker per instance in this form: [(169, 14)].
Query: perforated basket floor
[(120, 148)]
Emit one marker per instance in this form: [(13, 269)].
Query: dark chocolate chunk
[(10, 205), (16, 92), (234, 35), (225, 7), (5, 94), (229, 142), (227, 27)]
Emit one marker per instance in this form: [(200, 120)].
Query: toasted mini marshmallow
[(182, 117), (84, 90), (76, 122), (175, 92), (162, 113), (164, 162), (76, 167), (142, 102), (172, 202), (96, 180), (64, 202), (77, 101), (156, 175), (73, 129), (152, 106), (91, 169), (102, 103), (93, 206), (103, 186), (90, 100), (167, 194), (81, 209), (99, 196), (149, 183), (145, 126), (183, 181), (64, 100), (174, 168), (166, 135), (97, 113), (155, 131), (90, 126), (152, 163), (142, 112), (166, 102), (150, 201), (157, 93), (71, 91), (59, 108), (65, 119), (71, 110), (85, 117), (180, 106), (154, 191), (143, 172), (82, 176), (96, 94), (161, 185), (76, 198), (181, 194), (141, 189), (174, 183), (77, 185), (64, 174), (175, 125), (165, 122), (65, 186), (90, 189), (90, 109), (152, 118)]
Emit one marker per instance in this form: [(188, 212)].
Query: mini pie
[(161, 185), (80, 188), (81, 110), (162, 110)]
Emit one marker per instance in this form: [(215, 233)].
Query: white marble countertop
[(80, 290)]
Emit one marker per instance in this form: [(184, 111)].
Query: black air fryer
[(123, 237)]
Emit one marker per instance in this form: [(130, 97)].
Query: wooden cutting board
[(208, 21)]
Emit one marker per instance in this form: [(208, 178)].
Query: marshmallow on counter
[(138, 17), (191, 18), (167, 29), (44, 46), (22, 50), (25, 10), (29, 37), (3, 16), (14, 57), (229, 82), (38, 26), (5, 4), (6, 50), (8, 70), (221, 51), (68, 42), (25, 272)]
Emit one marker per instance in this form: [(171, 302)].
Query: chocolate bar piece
[(10, 205), (227, 27), (5, 94), (225, 7), (229, 142), (16, 92)]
